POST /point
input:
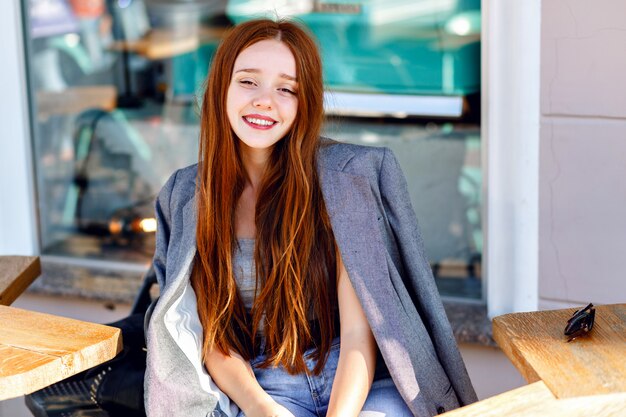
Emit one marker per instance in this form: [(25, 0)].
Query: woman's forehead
[(270, 56)]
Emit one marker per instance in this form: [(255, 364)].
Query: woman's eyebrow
[(256, 71)]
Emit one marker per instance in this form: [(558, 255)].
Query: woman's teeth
[(260, 122)]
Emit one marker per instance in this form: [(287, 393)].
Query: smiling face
[(261, 102)]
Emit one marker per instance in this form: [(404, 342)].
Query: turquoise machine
[(388, 57)]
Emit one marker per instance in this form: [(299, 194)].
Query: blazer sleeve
[(419, 278)]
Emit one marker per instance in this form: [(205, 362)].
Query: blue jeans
[(308, 395)]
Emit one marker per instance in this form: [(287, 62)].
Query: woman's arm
[(235, 377), (357, 357)]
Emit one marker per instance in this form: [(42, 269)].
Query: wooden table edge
[(504, 341), (16, 385), (518, 335), (22, 282), (537, 400)]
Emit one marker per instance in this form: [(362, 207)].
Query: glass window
[(116, 83)]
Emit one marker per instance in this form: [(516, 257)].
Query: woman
[(293, 279)]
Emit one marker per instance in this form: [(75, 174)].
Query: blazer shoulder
[(187, 176), (181, 186), (352, 158)]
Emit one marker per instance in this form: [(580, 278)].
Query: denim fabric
[(308, 395)]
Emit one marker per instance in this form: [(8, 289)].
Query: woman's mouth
[(259, 122)]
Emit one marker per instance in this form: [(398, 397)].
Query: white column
[(510, 125), (18, 224)]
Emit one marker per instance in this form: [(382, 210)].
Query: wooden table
[(590, 365), (585, 377), (536, 400), (16, 274), (38, 349)]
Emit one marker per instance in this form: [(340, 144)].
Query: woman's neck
[(254, 162)]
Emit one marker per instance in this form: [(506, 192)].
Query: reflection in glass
[(116, 86)]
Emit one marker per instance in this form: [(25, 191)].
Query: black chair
[(112, 389)]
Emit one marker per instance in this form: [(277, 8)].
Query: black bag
[(112, 389)]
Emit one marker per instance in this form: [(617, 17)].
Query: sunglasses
[(580, 323)]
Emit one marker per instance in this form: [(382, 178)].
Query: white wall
[(17, 220), (583, 153), (510, 126), (555, 149)]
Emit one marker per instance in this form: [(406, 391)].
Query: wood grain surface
[(589, 365), (536, 400), (16, 274), (39, 349)]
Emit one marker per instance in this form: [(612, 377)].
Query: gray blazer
[(377, 233)]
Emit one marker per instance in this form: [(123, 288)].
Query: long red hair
[(295, 252)]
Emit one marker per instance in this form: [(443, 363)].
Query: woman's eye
[(287, 90), (246, 82)]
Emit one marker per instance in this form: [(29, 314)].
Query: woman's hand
[(235, 377), (269, 408)]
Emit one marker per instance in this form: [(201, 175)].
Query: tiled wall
[(582, 185)]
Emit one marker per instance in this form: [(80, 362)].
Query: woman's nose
[(263, 100)]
